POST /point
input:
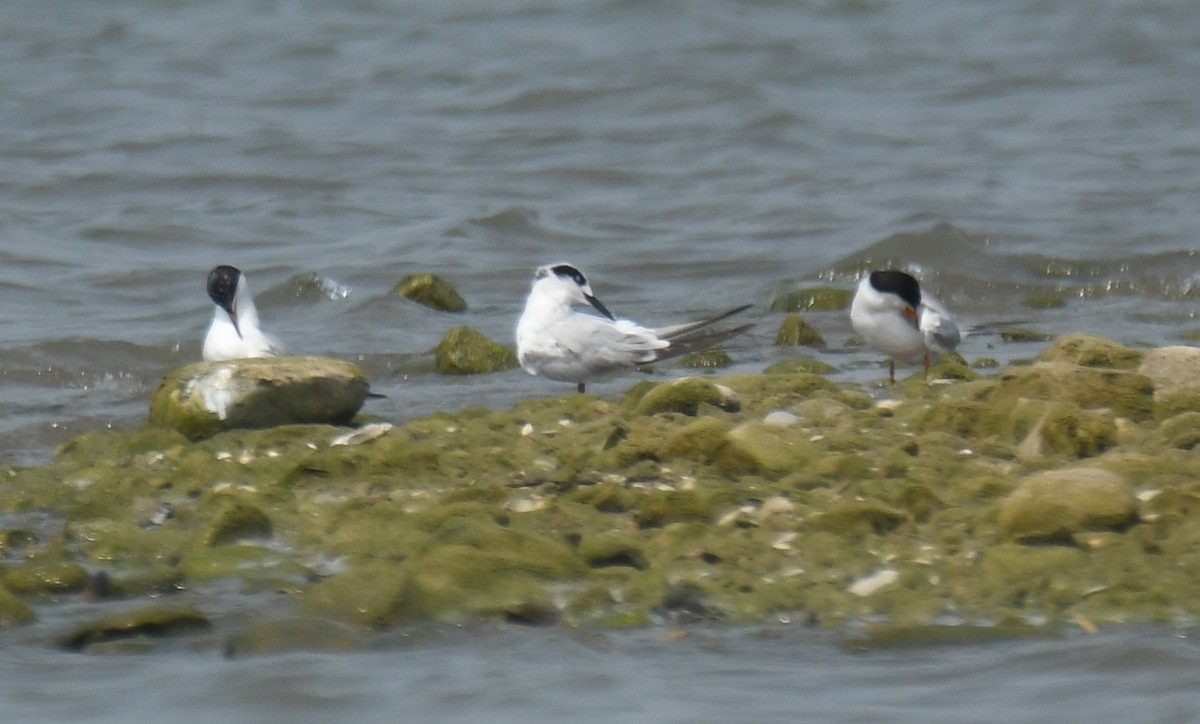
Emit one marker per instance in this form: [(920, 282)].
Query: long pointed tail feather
[(696, 342), (677, 330)]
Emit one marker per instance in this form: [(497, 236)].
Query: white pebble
[(871, 583)]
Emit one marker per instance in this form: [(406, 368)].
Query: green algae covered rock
[(1052, 505), (1128, 394), (369, 596), (152, 622), (707, 359), (1066, 429), (1022, 335), (430, 290), (1088, 350), (14, 611), (813, 299), (795, 331), (464, 351), (1175, 375), (204, 398), (812, 501), (686, 395), (236, 521), (805, 365), (1182, 431), (46, 577), (295, 633)]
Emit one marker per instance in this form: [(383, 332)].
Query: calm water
[(689, 155)]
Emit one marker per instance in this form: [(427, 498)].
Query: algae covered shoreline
[(1059, 491)]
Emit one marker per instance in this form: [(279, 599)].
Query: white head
[(567, 285)]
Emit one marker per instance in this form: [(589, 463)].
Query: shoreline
[(1061, 492)]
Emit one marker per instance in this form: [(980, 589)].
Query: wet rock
[(295, 633), (795, 330), (805, 365), (369, 596), (38, 578), (758, 448), (205, 398), (1128, 394), (1089, 350), (685, 395), (1181, 431), (1054, 505), (857, 518), (813, 299), (748, 449), (1175, 374), (1019, 335), (432, 291), (463, 351), (707, 359), (613, 549), (154, 622), (1068, 430), (235, 521), (14, 611)]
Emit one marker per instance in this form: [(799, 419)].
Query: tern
[(234, 332), (895, 316), (556, 341)]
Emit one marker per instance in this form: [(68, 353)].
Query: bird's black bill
[(599, 307)]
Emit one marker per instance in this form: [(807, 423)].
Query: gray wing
[(585, 346), (938, 326)]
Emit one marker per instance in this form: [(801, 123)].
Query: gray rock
[(205, 398), (1175, 373)]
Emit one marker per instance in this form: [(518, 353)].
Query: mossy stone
[(1053, 505), (1089, 350), (612, 549), (800, 365), (685, 395), (813, 299), (1181, 431), (294, 633), (1128, 394), (155, 621), (1175, 375), (707, 359), (237, 520), (858, 518), (795, 330), (464, 351), (204, 398), (14, 611), (1078, 433), (1019, 335), (370, 596), (430, 290), (46, 577)]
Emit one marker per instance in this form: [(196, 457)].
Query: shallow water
[(688, 155), (772, 673)]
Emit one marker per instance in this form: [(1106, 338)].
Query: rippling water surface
[(688, 155)]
